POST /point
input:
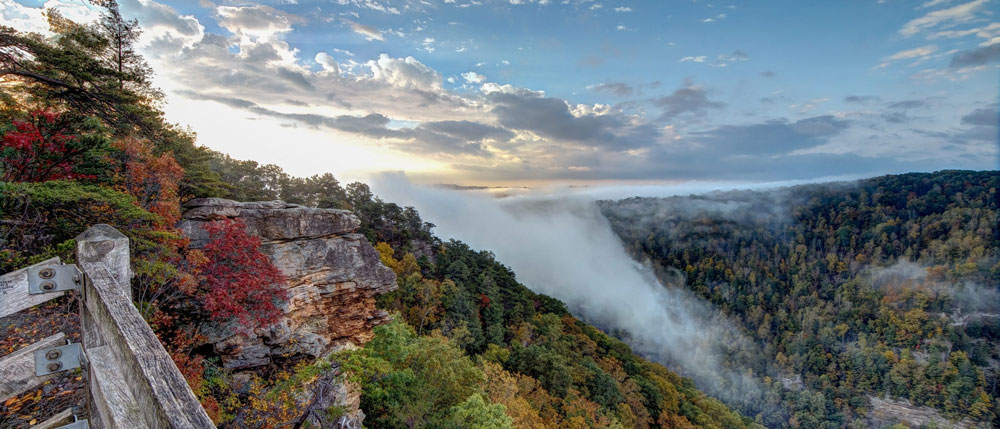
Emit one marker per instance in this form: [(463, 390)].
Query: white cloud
[(933, 3), (258, 22), (737, 56), (953, 15), (989, 32), (371, 5), (495, 88), (404, 73), (808, 105), (23, 18), (623, 9), (30, 19), (698, 59), (913, 53), (473, 77), (369, 32), (327, 62), (163, 29), (954, 75), (428, 45), (343, 51), (920, 52), (718, 17), (78, 11), (277, 86)]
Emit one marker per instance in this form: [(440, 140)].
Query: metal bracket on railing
[(53, 278), (55, 359), (79, 424)]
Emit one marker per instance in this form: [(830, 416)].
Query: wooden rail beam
[(118, 339), (14, 294), (17, 370)]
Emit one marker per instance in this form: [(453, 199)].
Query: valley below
[(801, 306)]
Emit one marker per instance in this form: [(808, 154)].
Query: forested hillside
[(82, 141), (884, 287)]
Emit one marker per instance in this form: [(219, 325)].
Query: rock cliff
[(885, 412), (333, 273)]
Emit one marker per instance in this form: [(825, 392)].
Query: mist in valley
[(559, 243)]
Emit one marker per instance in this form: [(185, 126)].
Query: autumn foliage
[(152, 179), (42, 147), (237, 280)]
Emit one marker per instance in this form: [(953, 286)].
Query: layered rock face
[(333, 273)]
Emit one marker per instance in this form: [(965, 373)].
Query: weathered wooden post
[(101, 245), (104, 248), (132, 381)]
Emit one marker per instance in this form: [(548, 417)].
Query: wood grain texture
[(17, 370), (64, 417), (14, 294), (111, 398), (132, 349)]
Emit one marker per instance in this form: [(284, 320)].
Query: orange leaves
[(41, 403), (196, 257), (153, 179)]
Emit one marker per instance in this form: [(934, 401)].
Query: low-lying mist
[(558, 243), (966, 298)]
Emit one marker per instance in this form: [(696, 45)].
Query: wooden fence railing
[(131, 380)]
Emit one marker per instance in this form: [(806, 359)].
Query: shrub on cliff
[(45, 145), (237, 280)]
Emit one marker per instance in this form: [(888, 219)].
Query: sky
[(528, 92)]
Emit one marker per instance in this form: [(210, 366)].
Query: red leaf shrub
[(237, 280), (41, 148)]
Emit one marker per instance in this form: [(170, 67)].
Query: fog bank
[(558, 243)]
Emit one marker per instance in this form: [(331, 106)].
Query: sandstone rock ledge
[(333, 273), (885, 412)]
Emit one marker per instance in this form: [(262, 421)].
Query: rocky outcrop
[(331, 403), (333, 273), (886, 412)]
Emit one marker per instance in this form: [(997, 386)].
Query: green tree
[(476, 413)]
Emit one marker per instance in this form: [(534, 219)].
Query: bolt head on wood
[(55, 359)]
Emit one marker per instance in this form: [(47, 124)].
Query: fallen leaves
[(66, 390)]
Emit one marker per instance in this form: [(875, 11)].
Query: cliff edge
[(333, 277)]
